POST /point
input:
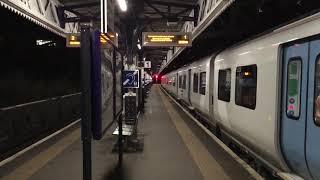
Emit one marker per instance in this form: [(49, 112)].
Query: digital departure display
[(163, 39), (73, 40)]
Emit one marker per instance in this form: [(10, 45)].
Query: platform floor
[(174, 148)]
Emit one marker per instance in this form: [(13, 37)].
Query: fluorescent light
[(104, 16), (139, 46), (122, 5), (144, 58)]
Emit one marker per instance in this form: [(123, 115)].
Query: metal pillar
[(120, 138), (119, 119), (85, 57), (130, 42)]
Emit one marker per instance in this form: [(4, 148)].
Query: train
[(263, 94)]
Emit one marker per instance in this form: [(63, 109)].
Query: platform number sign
[(130, 79)]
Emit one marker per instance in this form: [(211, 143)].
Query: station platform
[(175, 147)]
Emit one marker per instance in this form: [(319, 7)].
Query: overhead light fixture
[(144, 58), (122, 5), (139, 46), (104, 16)]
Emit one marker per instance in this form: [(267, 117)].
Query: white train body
[(257, 126)]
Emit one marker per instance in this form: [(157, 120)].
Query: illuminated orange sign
[(166, 39), (73, 40)]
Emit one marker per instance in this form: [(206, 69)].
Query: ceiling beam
[(181, 19), (183, 11), (82, 5), (80, 19), (175, 4), (155, 8)]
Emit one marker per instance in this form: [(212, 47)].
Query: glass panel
[(203, 82), (180, 81), (293, 88), (317, 94), (195, 82), (246, 86), (224, 85)]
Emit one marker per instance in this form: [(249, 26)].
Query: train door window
[(224, 85), (203, 82), (246, 86), (180, 81), (173, 81), (317, 93), (294, 88), (184, 82), (195, 82), (203, 8)]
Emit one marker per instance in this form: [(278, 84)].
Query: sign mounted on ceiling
[(164, 39), (147, 64), (73, 40)]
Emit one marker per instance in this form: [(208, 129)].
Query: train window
[(317, 93), (224, 85), (294, 88), (195, 82), (173, 81), (184, 81), (246, 86), (203, 84), (180, 81)]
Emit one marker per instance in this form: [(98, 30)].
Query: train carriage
[(264, 94)]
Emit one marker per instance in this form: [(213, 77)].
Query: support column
[(85, 57), (130, 42)]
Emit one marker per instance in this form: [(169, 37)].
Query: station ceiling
[(165, 16), (244, 19), (152, 15), (83, 8)]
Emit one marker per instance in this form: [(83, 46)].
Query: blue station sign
[(130, 79)]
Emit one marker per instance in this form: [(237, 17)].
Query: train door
[(189, 86), (294, 98), (184, 94), (313, 111), (299, 130)]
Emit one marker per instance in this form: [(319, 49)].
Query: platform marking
[(29, 168), (246, 166), (209, 167)]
